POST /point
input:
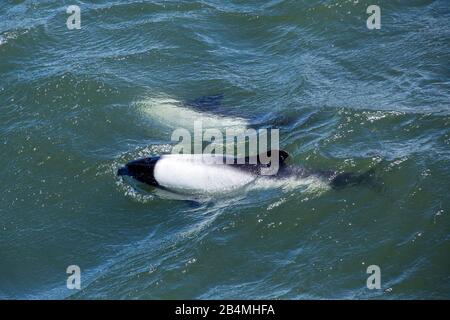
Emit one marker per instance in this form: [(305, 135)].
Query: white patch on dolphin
[(206, 175), (194, 173), (174, 113)]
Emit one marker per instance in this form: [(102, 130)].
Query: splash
[(11, 35), (311, 185), (124, 186)]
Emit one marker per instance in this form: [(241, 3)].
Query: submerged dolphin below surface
[(197, 173), (202, 174), (207, 109)]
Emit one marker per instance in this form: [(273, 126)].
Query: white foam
[(129, 191), (310, 184), (11, 35)]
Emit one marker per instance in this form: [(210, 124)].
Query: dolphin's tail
[(351, 179)]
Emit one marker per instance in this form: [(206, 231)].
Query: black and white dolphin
[(197, 173)]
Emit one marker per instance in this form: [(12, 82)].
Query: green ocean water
[(74, 107)]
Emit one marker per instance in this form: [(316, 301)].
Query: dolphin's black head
[(141, 170)]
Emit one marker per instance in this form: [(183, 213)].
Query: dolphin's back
[(199, 173)]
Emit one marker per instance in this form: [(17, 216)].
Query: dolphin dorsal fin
[(207, 103), (282, 155)]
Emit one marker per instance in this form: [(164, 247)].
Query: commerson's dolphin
[(175, 113), (203, 173), (197, 173)]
